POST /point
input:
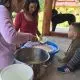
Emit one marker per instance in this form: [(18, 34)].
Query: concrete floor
[(61, 29), (51, 72)]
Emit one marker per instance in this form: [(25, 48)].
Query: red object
[(24, 25)]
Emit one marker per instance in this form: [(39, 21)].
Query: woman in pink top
[(27, 20), (9, 38)]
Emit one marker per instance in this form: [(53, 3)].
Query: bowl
[(17, 72), (32, 55)]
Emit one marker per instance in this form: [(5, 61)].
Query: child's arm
[(17, 21)]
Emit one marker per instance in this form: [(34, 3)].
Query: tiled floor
[(51, 72)]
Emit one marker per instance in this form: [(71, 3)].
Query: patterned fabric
[(30, 44), (74, 63), (75, 44)]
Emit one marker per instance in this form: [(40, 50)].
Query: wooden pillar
[(47, 17), (54, 3)]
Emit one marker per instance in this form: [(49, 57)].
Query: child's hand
[(34, 38)]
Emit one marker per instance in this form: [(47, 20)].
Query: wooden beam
[(54, 3), (47, 17)]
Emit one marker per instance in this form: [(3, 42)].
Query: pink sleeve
[(7, 30)]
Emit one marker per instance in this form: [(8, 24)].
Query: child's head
[(32, 6), (74, 30)]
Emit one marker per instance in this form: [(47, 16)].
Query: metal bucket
[(32, 55)]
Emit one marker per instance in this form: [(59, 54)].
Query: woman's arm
[(8, 32)]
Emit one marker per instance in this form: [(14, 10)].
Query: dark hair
[(27, 3), (76, 25), (3, 2)]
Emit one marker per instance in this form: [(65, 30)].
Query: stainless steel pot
[(32, 55)]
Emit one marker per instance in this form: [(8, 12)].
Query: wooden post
[(54, 3), (47, 17)]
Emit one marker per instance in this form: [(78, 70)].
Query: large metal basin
[(32, 55)]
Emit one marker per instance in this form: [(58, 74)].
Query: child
[(27, 20), (9, 38), (72, 58)]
